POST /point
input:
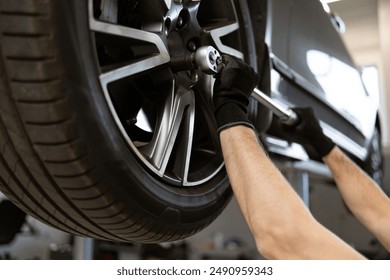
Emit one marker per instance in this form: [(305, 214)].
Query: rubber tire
[(63, 159)]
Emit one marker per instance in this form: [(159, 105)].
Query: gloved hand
[(233, 86), (308, 132)]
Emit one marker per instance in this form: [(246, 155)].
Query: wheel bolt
[(131, 122), (191, 46), (194, 76), (182, 19), (167, 25), (179, 22)]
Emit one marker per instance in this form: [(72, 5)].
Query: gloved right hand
[(308, 132), (233, 86)]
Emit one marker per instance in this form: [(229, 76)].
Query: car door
[(320, 61)]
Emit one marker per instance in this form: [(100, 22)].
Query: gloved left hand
[(233, 86), (308, 132)]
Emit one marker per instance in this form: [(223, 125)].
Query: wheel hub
[(184, 34)]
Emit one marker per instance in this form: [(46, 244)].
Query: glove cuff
[(231, 114), (324, 146)]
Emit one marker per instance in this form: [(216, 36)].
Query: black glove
[(308, 132), (233, 86)]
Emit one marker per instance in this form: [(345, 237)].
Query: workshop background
[(367, 36)]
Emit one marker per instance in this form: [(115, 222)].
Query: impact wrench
[(208, 60)]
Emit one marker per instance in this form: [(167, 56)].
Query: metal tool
[(208, 60), (285, 114)]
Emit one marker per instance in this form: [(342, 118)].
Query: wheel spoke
[(206, 109), (134, 40), (153, 60), (168, 3), (220, 30), (132, 69), (159, 150), (183, 165)]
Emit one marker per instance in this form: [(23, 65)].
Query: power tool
[(208, 60)]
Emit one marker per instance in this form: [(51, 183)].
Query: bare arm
[(362, 195), (281, 224)]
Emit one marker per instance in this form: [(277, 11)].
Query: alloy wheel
[(163, 112)]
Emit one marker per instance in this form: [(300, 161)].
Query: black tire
[(70, 150)]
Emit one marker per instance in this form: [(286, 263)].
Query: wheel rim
[(164, 115)]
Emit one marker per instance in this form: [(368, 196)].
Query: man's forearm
[(282, 225), (362, 195)]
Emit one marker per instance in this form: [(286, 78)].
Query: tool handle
[(208, 60), (291, 118), (286, 115)]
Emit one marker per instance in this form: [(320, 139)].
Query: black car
[(101, 136)]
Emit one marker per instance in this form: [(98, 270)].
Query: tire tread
[(45, 166), (27, 123)]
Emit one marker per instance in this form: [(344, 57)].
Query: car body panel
[(314, 68)]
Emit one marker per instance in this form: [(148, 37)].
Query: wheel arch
[(258, 113)]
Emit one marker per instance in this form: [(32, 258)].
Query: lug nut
[(182, 19), (167, 25), (131, 122), (179, 22), (191, 46), (194, 76)]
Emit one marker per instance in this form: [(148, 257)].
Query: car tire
[(72, 155)]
